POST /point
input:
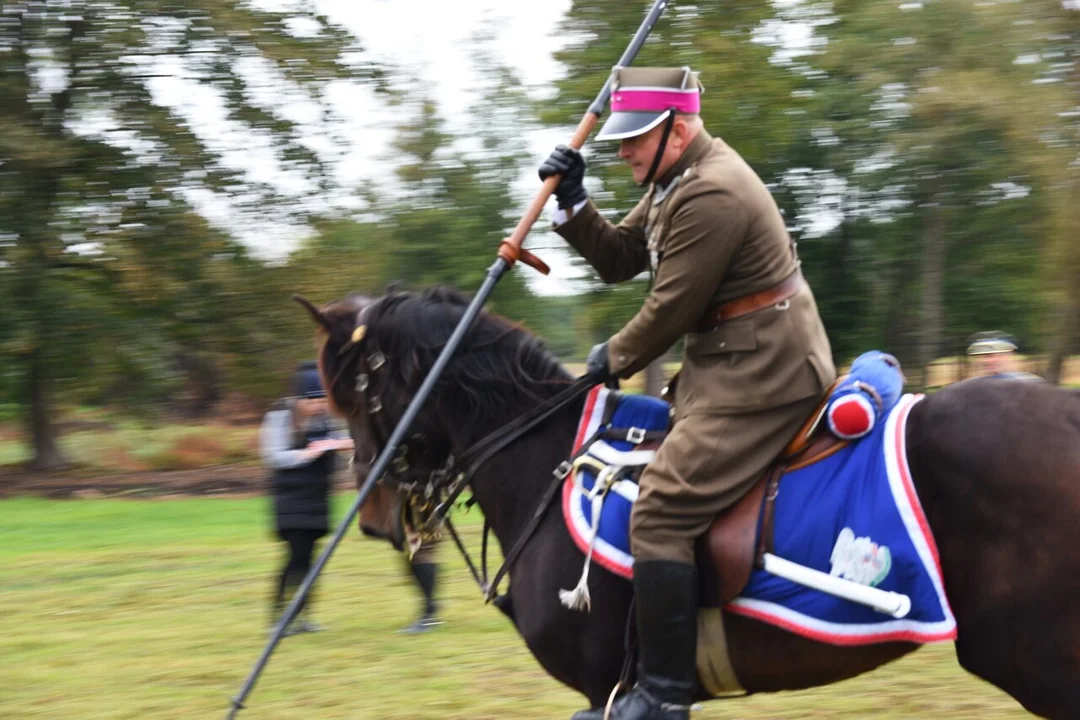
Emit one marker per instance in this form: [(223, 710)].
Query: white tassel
[(579, 598)]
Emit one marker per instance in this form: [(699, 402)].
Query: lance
[(510, 252)]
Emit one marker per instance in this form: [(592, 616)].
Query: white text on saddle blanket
[(860, 559)]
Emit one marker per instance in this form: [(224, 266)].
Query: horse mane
[(499, 370)]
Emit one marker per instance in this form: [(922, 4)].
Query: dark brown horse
[(996, 465)]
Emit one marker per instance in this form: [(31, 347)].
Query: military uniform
[(712, 234), (726, 277)]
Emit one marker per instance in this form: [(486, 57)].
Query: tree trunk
[(654, 377), (47, 455), (1068, 326), (1068, 321), (932, 271)]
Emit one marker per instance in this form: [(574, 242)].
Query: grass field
[(157, 609)]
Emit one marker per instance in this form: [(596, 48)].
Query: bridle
[(429, 498)]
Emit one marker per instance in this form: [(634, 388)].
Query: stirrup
[(611, 698), (664, 706)]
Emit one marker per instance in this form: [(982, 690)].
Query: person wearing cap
[(298, 443), (994, 355), (725, 277)]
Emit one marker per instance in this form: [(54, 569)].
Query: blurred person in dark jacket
[(298, 442), (993, 354)]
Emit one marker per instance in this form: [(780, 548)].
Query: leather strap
[(717, 314), (768, 510)]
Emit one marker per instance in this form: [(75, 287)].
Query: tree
[(933, 124), (95, 169), (904, 145)]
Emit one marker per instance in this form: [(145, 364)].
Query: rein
[(463, 469), (455, 473)]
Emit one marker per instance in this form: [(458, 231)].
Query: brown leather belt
[(747, 304)]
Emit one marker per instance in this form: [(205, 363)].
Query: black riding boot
[(666, 596), (425, 574)]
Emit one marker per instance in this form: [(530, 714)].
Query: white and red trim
[(591, 416), (907, 504), (606, 555)]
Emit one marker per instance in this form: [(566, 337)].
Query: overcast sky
[(431, 39)]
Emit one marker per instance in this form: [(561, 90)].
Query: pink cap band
[(630, 100)]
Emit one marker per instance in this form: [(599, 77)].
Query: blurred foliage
[(924, 155), (920, 151), (112, 285)]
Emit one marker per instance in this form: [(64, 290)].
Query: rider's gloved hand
[(569, 163), (596, 364)]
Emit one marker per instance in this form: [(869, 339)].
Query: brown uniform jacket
[(712, 233)]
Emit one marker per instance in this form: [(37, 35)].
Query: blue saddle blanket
[(633, 413), (853, 514)]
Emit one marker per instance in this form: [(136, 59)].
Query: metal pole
[(509, 252), (494, 273)]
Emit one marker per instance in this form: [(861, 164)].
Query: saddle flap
[(725, 554)]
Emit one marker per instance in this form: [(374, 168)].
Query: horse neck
[(510, 487)]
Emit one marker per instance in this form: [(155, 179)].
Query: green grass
[(157, 609)]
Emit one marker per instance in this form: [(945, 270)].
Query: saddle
[(741, 535)]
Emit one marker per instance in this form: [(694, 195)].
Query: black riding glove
[(596, 365), (569, 163)]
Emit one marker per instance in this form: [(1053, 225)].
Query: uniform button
[(723, 344), (622, 358)]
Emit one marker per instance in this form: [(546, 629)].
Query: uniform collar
[(697, 149)]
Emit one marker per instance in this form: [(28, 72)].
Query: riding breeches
[(705, 465)]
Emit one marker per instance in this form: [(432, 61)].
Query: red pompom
[(851, 416)]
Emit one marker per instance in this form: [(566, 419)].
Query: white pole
[(884, 601)]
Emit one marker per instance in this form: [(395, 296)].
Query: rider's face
[(640, 151)]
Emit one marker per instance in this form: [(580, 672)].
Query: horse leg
[(583, 650), (505, 604)]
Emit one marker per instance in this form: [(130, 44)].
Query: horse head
[(375, 353), (354, 374)]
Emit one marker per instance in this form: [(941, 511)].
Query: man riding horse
[(725, 275)]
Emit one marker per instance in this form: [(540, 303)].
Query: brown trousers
[(705, 465)]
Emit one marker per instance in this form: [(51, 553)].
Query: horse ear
[(316, 314)]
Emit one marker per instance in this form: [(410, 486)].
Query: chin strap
[(668, 124)]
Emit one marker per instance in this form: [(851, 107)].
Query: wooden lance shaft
[(510, 249)]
